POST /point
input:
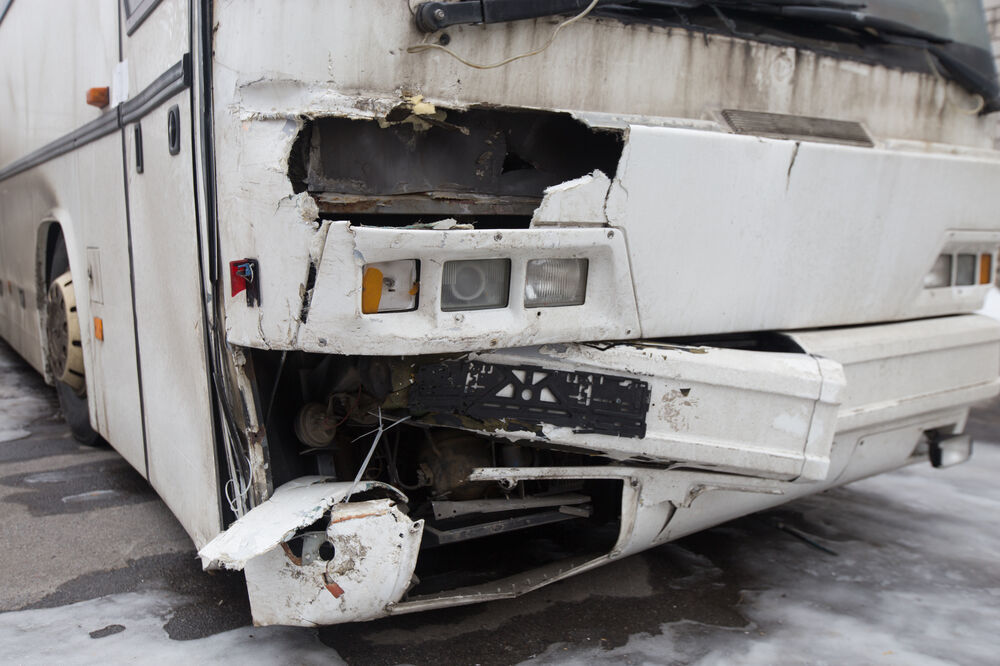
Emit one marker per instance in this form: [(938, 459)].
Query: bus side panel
[(97, 239), (50, 64)]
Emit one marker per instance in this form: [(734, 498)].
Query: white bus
[(404, 305)]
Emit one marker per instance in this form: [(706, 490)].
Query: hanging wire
[(425, 46), (378, 432), (237, 499)]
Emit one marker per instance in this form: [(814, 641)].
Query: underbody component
[(531, 395)]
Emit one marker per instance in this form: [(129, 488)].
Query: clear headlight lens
[(965, 270), (389, 286), (555, 282), (940, 274), (478, 284)]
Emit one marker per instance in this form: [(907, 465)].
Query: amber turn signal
[(98, 328), (99, 97), (371, 290), (985, 268)]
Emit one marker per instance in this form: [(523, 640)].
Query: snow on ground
[(20, 405), (129, 628), (916, 581)]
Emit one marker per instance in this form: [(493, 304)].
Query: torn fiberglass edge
[(420, 163)]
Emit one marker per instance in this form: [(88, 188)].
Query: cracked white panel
[(262, 218), (576, 202), (780, 413), (734, 233), (374, 552), (336, 325), (295, 504)]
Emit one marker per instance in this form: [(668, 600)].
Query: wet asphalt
[(78, 523)]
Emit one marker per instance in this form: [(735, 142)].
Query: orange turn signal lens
[(99, 97), (985, 268), (371, 290), (98, 328), (390, 286)]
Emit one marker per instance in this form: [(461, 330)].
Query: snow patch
[(915, 582), (63, 636), (19, 405)]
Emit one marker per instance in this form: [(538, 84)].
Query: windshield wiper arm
[(434, 16)]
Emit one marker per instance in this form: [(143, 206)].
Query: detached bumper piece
[(312, 559)]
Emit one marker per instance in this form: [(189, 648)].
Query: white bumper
[(857, 403)]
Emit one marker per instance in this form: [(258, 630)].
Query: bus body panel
[(235, 365)]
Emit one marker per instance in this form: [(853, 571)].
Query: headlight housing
[(477, 284), (555, 282)]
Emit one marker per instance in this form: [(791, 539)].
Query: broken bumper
[(727, 432)]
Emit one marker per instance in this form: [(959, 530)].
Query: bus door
[(159, 167)]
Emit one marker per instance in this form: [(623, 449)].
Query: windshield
[(947, 37), (959, 20)]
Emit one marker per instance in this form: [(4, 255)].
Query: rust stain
[(359, 515), (335, 589), (297, 561)]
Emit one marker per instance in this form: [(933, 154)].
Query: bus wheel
[(65, 353)]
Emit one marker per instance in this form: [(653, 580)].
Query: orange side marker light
[(98, 328), (985, 268), (99, 97)]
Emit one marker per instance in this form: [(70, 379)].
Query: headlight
[(555, 282), (940, 273), (965, 270), (479, 284), (389, 286)]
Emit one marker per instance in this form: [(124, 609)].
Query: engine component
[(451, 455), (314, 425)]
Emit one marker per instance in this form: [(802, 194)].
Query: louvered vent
[(781, 126)]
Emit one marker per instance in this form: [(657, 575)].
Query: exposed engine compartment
[(347, 418)]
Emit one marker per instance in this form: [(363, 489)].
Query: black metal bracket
[(434, 16), (137, 133), (587, 402), (174, 130)]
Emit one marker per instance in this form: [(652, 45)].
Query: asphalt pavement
[(898, 569)]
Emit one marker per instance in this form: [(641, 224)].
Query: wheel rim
[(62, 329)]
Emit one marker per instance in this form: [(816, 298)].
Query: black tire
[(73, 406)]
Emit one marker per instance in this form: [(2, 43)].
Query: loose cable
[(423, 46)]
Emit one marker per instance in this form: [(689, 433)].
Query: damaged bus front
[(492, 321)]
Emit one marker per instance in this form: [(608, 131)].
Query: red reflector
[(237, 282)]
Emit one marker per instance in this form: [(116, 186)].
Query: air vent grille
[(781, 126)]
